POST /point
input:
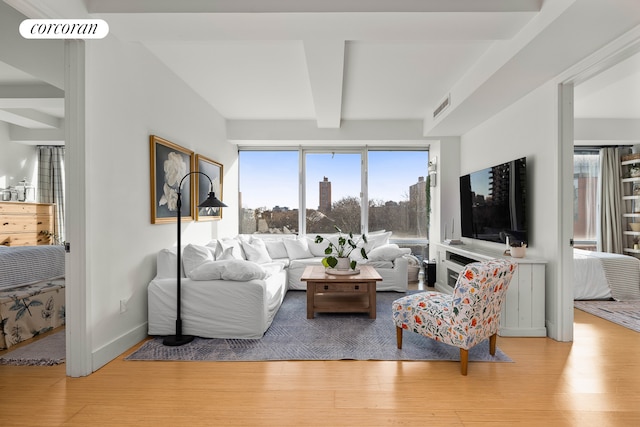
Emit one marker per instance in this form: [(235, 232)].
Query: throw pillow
[(317, 249), (226, 254), (193, 256), (233, 243), (276, 249), (234, 269), (387, 252), (256, 251), (210, 270), (375, 240), (242, 271), (297, 248)]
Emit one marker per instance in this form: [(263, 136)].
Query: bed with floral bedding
[(32, 292)]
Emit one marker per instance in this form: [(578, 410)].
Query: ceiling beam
[(325, 64), (29, 118)]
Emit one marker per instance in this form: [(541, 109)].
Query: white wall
[(129, 96), (527, 128), (17, 161)]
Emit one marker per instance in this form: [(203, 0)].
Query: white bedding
[(589, 281), (601, 275), (216, 308)]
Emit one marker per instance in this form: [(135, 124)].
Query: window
[(330, 188), (586, 171), (333, 192), (268, 198), (398, 193)]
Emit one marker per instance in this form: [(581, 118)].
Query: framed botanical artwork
[(213, 170), (169, 164)]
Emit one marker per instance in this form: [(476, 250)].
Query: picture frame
[(213, 170), (169, 163)]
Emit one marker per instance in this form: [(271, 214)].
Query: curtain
[(51, 184), (586, 180), (610, 238)]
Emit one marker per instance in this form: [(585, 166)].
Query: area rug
[(292, 336), (624, 313), (48, 351)]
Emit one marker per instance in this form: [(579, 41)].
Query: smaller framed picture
[(169, 163), (213, 170)]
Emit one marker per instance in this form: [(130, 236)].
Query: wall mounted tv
[(493, 203)]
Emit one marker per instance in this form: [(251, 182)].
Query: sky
[(270, 178)]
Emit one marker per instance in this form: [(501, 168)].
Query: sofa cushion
[(232, 243), (234, 269), (317, 249), (166, 264), (387, 252), (276, 249), (256, 251), (195, 255), (297, 248)]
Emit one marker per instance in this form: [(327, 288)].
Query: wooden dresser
[(26, 224)]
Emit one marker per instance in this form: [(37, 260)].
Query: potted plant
[(338, 254)]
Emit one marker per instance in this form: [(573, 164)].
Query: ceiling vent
[(443, 106)]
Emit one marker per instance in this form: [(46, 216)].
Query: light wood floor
[(594, 381)]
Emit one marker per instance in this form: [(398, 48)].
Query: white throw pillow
[(210, 270), (226, 254), (242, 271), (233, 243), (256, 251), (375, 240), (387, 252), (297, 248), (193, 256), (317, 249), (276, 249), (234, 269)]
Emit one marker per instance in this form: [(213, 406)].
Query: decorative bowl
[(635, 226)]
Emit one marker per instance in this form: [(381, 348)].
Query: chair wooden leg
[(399, 336), (464, 361), (492, 344)]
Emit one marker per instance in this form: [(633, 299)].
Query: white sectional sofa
[(233, 288)]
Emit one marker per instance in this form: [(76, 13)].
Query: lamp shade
[(212, 202)]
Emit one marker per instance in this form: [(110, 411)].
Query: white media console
[(523, 312)]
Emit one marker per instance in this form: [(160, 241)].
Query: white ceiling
[(333, 61)]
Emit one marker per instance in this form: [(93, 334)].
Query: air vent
[(443, 106)]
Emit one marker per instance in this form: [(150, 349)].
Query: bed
[(602, 275), (32, 292)]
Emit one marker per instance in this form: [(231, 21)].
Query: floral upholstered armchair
[(464, 319)]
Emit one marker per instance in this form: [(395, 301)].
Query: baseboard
[(523, 332), (115, 348)]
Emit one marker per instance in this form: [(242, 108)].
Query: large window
[(357, 190), (398, 193), (333, 192), (268, 196)]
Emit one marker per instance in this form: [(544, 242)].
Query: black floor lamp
[(211, 202)]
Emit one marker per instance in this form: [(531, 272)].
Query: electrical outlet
[(123, 305)]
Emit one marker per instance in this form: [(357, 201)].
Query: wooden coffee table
[(336, 293)]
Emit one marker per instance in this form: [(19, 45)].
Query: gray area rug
[(624, 313), (48, 351), (292, 336)]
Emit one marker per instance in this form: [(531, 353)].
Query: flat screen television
[(493, 203)]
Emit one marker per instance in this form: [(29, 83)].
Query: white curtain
[(51, 183), (610, 239), (586, 172)]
